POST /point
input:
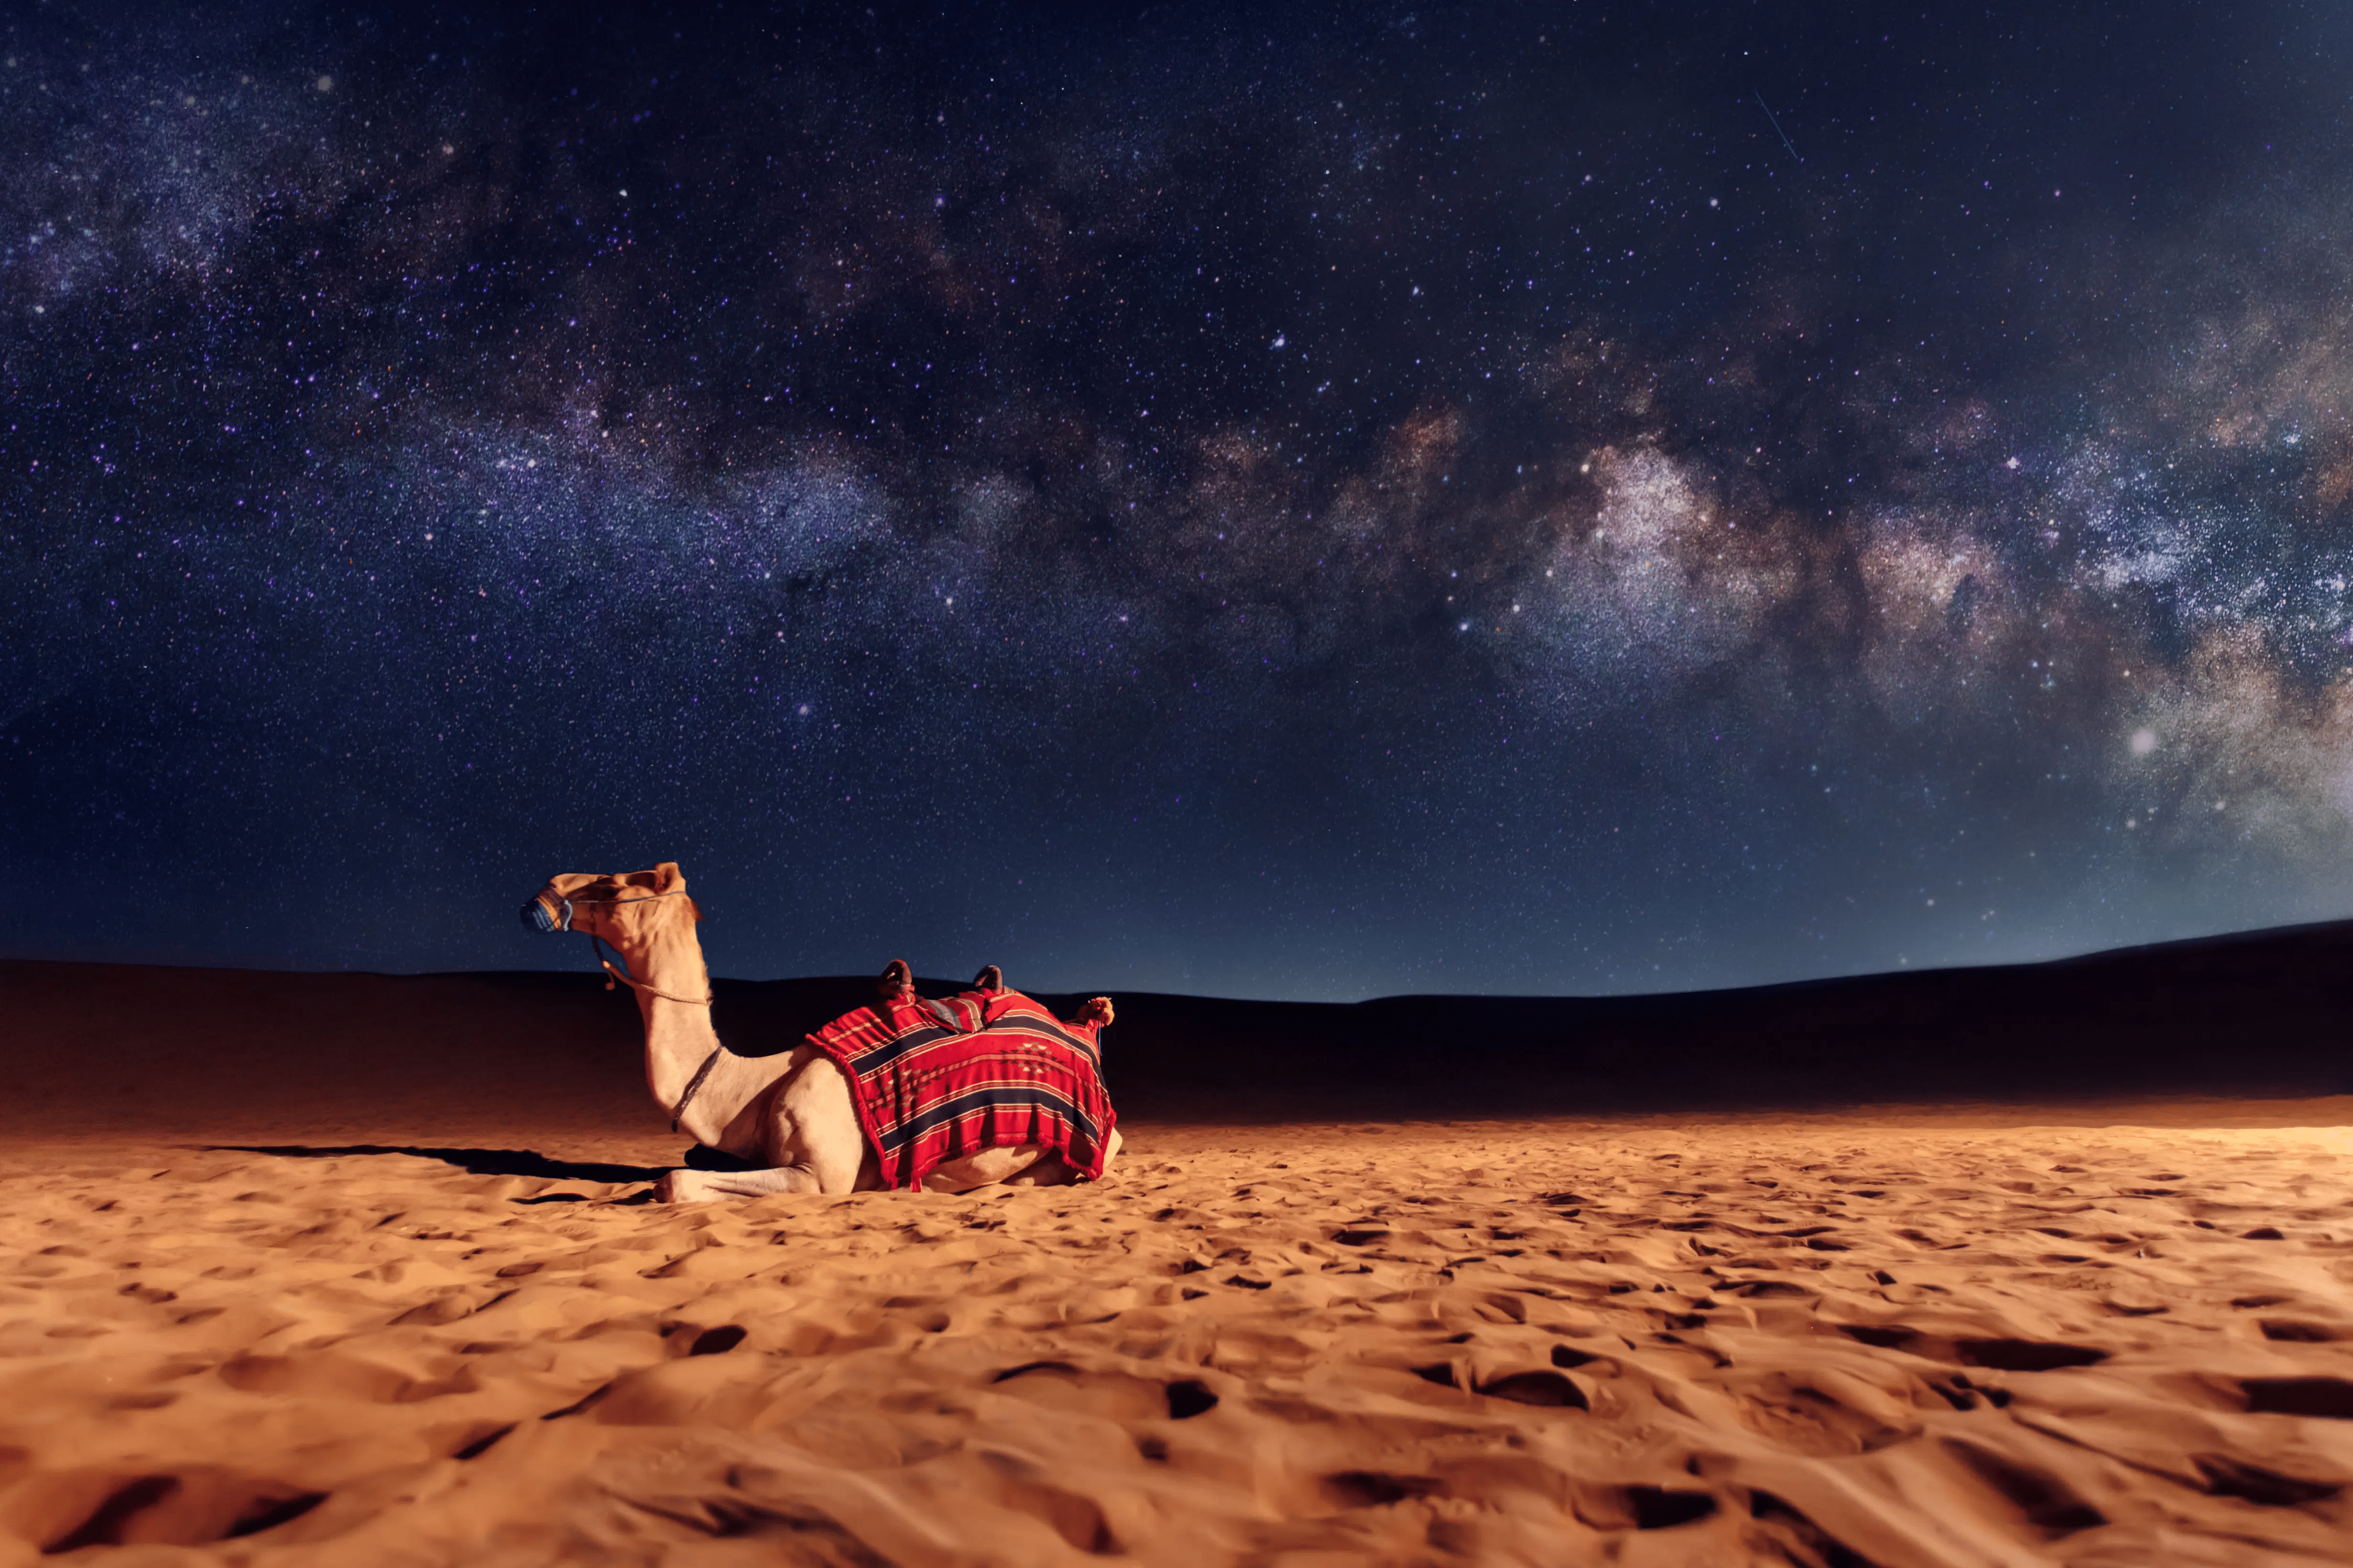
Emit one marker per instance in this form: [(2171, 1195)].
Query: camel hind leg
[(1022, 1165), (812, 1134), (1012, 1165)]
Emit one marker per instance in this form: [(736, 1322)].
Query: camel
[(790, 1112)]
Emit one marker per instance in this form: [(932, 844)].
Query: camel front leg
[(812, 1134), (688, 1186)]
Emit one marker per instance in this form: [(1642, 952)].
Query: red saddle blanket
[(937, 1080)]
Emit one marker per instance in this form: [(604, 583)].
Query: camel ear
[(668, 879), (694, 909)]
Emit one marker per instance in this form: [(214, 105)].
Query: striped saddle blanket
[(937, 1080)]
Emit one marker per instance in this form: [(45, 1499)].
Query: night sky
[(1270, 501)]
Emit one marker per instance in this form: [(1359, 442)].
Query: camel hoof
[(683, 1187), (897, 982), (990, 979)]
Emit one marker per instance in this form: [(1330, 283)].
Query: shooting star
[(1777, 126)]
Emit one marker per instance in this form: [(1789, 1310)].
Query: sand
[(354, 1271), (1809, 1342)]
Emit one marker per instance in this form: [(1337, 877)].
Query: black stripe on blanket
[(995, 1096)]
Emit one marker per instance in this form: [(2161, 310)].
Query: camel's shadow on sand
[(473, 1161)]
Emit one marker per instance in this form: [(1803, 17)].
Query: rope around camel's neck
[(622, 975)]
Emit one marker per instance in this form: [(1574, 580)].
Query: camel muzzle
[(547, 913)]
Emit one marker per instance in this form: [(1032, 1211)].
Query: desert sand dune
[(238, 1325)]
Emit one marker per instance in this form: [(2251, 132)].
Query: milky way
[(1270, 500)]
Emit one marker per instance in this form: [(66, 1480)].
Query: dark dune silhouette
[(2259, 1016)]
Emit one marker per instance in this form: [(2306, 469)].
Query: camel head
[(617, 907)]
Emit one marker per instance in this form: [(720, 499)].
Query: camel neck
[(678, 1035)]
